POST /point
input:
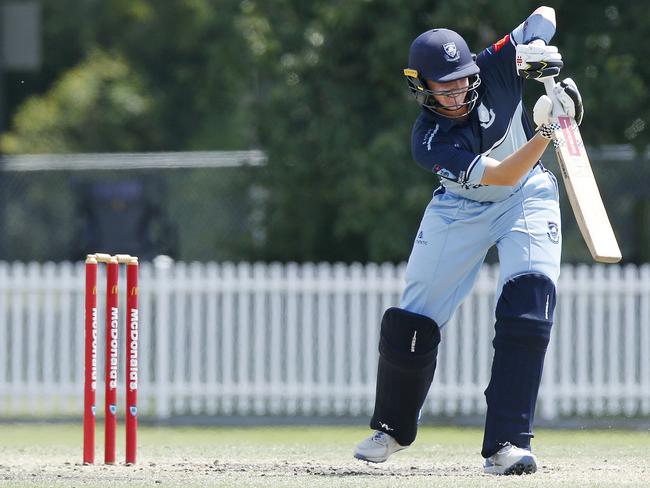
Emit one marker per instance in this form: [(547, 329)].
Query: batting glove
[(569, 97), (569, 104), (542, 113), (537, 61)]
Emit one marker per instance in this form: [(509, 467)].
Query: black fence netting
[(216, 213), (187, 213)]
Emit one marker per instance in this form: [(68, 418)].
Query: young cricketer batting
[(475, 135)]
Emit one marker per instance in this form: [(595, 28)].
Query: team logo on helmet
[(451, 51)]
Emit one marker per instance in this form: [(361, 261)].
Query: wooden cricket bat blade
[(583, 193)]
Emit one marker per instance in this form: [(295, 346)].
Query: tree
[(317, 85), (101, 105)]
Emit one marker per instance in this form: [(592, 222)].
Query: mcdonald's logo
[(114, 290), (134, 291), (94, 290)]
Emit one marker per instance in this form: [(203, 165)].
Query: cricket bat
[(582, 189)]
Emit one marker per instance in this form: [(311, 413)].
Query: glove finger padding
[(571, 90), (538, 70), (534, 61), (542, 111), (566, 92), (535, 48)]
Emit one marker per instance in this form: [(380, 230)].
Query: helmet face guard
[(426, 97)]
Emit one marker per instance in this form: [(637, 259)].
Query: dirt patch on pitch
[(20, 471), (220, 473), (300, 466)]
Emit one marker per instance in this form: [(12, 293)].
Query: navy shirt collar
[(445, 123)]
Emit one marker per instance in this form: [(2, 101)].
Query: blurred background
[(254, 138)]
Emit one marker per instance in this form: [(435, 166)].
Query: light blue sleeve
[(476, 170), (534, 27)]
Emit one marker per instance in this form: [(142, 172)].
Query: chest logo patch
[(451, 51), (428, 137), (486, 117)]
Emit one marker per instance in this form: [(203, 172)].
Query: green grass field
[(310, 457)]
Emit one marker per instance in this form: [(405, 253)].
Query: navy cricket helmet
[(441, 55)]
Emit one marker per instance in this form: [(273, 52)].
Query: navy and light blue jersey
[(497, 127)]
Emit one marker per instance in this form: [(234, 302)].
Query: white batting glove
[(569, 97), (570, 104), (543, 111), (537, 60)]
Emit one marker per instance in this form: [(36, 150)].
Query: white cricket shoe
[(511, 460), (377, 448)]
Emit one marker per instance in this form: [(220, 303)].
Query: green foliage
[(342, 146), (193, 59), (318, 86), (100, 105), (601, 48)]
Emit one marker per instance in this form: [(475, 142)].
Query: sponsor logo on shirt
[(553, 232), (429, 135), (486, 117), (444, 173)]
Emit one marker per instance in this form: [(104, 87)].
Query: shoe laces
[(507, 446), (380, 437)]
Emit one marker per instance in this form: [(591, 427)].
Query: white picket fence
[(272, 339)]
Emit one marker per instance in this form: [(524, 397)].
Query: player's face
[(450, 95)]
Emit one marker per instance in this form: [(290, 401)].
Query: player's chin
[(453, 105), (454, 110)]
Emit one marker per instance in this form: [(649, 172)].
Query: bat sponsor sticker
[(569, 136)]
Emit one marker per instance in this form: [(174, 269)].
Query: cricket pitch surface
[(49, 455)]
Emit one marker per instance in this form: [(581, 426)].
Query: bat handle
[(548, 85)]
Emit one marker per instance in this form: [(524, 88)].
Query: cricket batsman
[(475, 135)]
